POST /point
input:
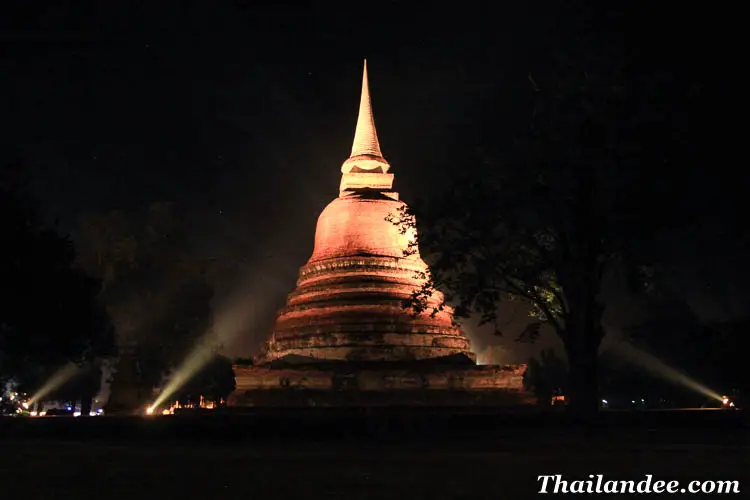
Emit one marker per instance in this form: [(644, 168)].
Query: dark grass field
[(385, 455)]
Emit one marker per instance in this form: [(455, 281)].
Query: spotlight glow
[(660, 369), (54, 382), (726, 402), (198, 358), (233, 318)]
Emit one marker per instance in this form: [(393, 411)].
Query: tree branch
[(532, 297)]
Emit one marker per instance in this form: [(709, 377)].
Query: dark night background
[(242, 112)]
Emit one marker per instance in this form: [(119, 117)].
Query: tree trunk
[(582, 338), (582, 394), (86, 404)]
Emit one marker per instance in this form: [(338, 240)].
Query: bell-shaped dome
[(360, 224), (349, 301)]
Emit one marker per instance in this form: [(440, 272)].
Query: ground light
[(659, 369), (727, 403)]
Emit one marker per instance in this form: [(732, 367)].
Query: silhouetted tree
[(215, 381), (82, 386), (154, 286), (546, 375), (51, 315), (562, 211)]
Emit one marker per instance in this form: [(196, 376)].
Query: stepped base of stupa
[(450, 381)]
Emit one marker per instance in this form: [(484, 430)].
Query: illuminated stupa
[(348, 300), (345, 321)]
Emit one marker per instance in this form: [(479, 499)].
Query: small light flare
[(150, 410), (727, 403), (25, 405)]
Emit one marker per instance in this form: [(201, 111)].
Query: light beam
[(660, 369), (228, 325), (196, 360), (59, 378)]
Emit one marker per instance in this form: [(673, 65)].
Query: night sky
[(243, 114)]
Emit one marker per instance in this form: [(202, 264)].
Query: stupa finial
[(365, 137), (366, 147)]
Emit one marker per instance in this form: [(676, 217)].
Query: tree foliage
[(546, 375), (154, 285), (51, 315), (564, 209)]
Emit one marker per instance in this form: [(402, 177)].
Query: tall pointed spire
[(366, 155), (365, 137)]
